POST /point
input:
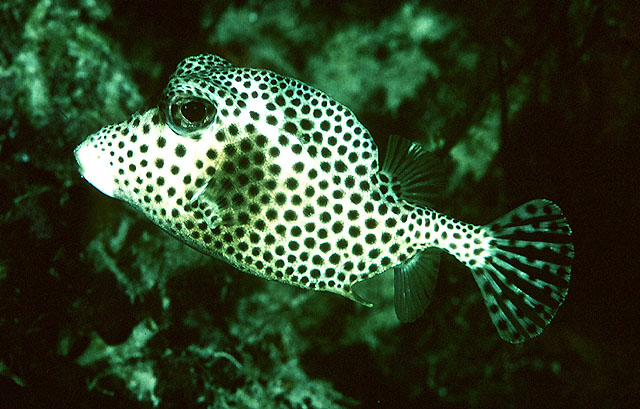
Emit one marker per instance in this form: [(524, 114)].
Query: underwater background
[(522, 99)]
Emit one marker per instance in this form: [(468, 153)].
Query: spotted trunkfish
[(283, 182)]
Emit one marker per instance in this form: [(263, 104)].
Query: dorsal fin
[(411, 172), (414, 282)]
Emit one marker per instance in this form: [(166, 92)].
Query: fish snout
[(95, 168)]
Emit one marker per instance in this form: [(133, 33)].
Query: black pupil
[(193, 111)]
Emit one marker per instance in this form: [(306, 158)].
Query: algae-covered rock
[(100, 308)]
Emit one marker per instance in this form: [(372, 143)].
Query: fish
[(281, 181)]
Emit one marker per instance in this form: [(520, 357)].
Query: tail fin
[(526, 277)]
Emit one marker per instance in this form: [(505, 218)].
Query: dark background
[(573, 138)]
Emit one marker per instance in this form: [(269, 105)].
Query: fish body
[(283, 182)]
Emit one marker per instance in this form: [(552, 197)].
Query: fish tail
[(525, 275)]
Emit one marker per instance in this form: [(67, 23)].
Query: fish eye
[(194, 111), (188, 114)]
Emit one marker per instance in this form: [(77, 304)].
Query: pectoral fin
[(213, 200)]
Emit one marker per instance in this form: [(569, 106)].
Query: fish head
[(163, 158)]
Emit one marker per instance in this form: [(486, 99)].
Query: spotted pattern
[(271, 175)]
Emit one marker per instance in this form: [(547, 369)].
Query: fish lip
[(77, 158)]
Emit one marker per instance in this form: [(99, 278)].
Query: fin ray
[(414, 282), (526, 277), (214, 197), (411, 172)]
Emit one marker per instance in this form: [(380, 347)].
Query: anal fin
[(414, 282)]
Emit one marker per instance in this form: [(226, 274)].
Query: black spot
[(290, 112), (245, 145), (292, 184), (229, 150), (258, 158), (322, 201), (261, 140), (271, 214), (298, 167), (306, 124), (341, 167), (281, 198), (180, 151), (371, 223), (291, 128), (228, 167)]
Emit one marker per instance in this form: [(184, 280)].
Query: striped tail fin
[(525, 278)]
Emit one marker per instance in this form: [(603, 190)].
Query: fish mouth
[(94, 169), (75, 154)]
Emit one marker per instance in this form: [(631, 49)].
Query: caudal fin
[(525, 278)]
